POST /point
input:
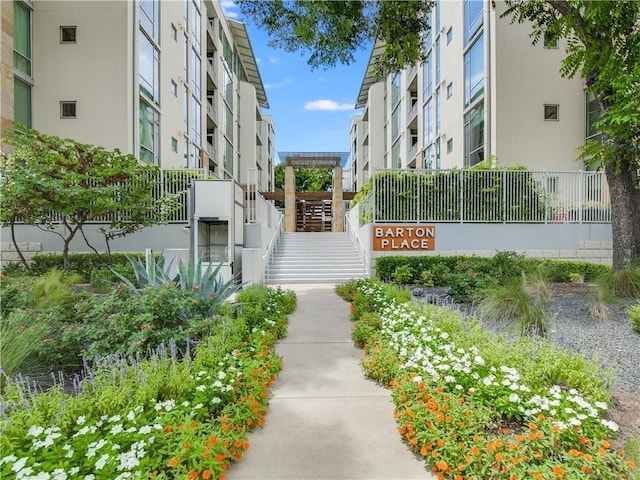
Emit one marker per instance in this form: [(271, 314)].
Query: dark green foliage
[(634, 316), (83, 264), (467, 275), (16, 293)]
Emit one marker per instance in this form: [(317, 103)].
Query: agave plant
[(207, 282), (155, 273)]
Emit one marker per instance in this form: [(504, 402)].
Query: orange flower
[(442, 465), (558, 471), (213, 441), (249, 421), (192, 475), (533, 426), (192, 425), (220, 457), (602, 452), (475, 451), (586, 470), (168, 429), (587, 457), (173, 462), (499, 457), (537, 475), (573, 452), (424, 450), (186, 445), (630, 464), (440, 442), (605, 443), (206, 474)]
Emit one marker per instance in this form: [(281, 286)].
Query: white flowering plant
[(162, 417), (468, 413)]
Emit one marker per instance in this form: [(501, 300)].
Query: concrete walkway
[(326, 421)]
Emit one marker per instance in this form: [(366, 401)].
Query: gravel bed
[(613, 341)]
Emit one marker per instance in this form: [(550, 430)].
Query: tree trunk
[(12, 224), (625, 212)]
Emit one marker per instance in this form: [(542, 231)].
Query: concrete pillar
[(337, 224), (289, 199)]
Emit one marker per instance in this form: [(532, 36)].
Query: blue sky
[(311, 110)]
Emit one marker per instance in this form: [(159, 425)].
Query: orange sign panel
[(403, 238)]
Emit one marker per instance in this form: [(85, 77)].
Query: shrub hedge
[(504, 264)]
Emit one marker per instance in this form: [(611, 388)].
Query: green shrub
[(16, 293), (427, 278), (634, 316), (81, 263), (347, 290), (54, 286), (403, 274), (365, 328), (464, 285)]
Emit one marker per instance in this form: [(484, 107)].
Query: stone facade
[(8, 253)]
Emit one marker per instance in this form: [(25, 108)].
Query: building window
[(437, 47), (149, 65), (474, 136), (474, 72), (551, 112), (196, 26), (593, 115), (396, 122), (427, 115), (174, 88), (449, 35), (396, 158), (472, 18), (395, 89), (196, 123), (149, 131), (174, 144), (427, 80), (438, 110), (67, 109), (68, 34), (450, 145), (150, 18), (174, 32), (22, 38), (196, 74), (22, 103), (550, 41), (450, 90)]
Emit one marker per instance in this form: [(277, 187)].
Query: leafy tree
[(332, 31), (59, 185), (603, 47), (307, 179)]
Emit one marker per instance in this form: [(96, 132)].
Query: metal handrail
[(353, 233), (266, 258)]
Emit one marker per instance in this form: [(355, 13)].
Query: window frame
[(557, 113), (68, 103), (63, 28)]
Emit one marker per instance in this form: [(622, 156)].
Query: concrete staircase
[(314, 257)]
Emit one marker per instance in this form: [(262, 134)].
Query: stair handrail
[(266, 258), (353, 233)]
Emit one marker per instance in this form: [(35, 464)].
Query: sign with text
[(403, 238)]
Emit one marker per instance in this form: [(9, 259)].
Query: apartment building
[(174, 83), (483, 91)]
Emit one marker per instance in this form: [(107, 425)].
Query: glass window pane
[(149, 66), (196, 122), (22, 38), (395, 89), (150, 17), (195, 73), (22, 102), (149, 132), (474, 136), (474, 72), (428, 122), (427, 80), (472, 18), (196, 26)]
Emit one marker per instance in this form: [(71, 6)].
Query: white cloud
[(228, 7), (280, 84), (328, 105), (273, 59)]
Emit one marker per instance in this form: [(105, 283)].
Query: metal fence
[(494, 196), (161, 183)]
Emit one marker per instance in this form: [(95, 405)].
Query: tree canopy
[(307, 179), (330, 32)]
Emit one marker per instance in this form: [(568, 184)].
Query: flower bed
[(162, 417), (480, 406)]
